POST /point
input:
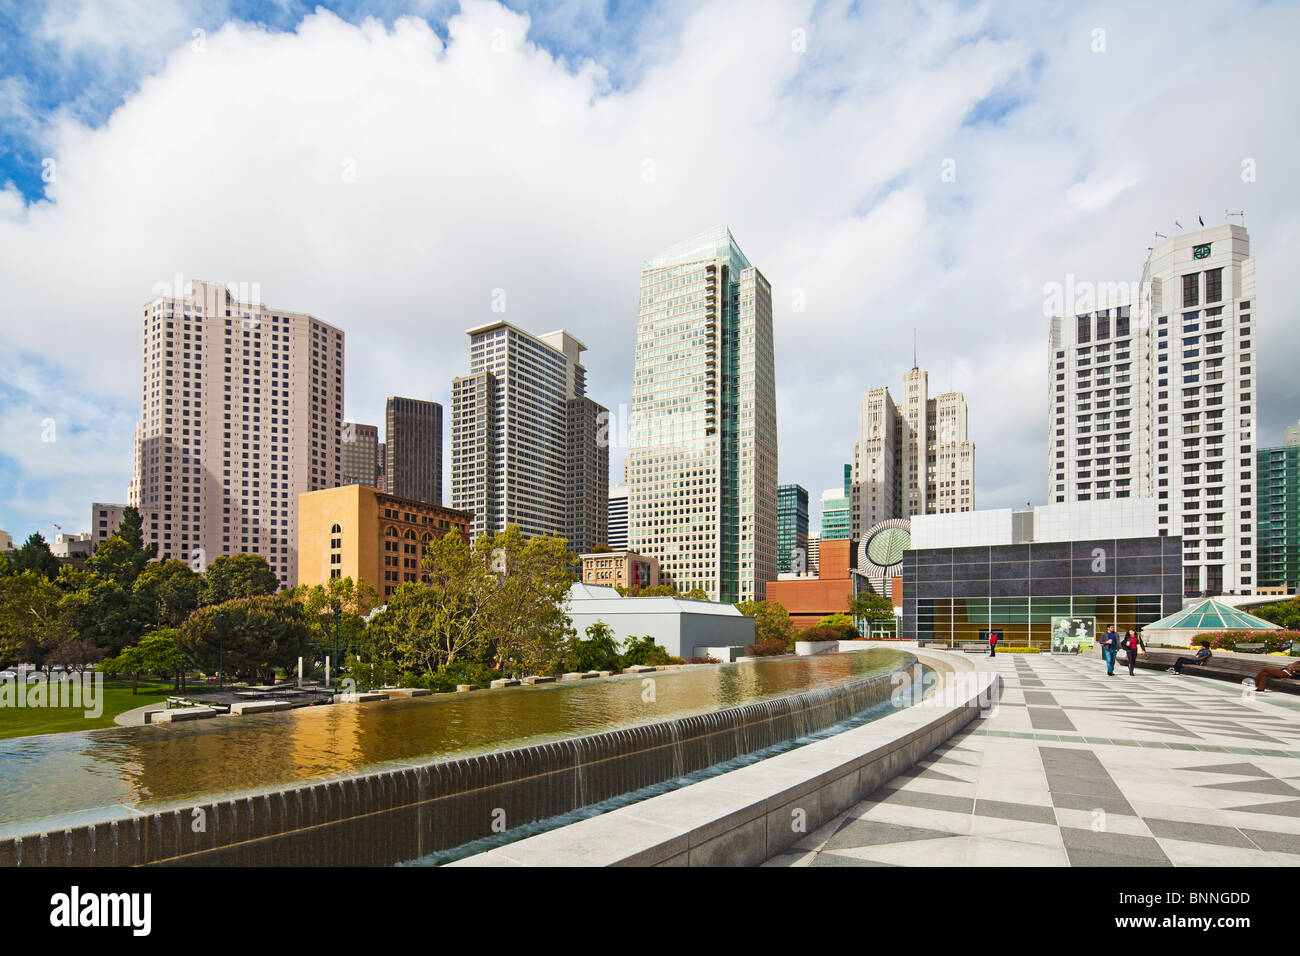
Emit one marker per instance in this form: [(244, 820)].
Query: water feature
[(398, 779)]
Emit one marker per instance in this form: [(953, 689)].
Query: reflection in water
[(77, 776)]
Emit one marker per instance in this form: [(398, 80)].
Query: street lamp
[(221, 648), (338, 612)]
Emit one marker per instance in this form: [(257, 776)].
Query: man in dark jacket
[(1109, 649)]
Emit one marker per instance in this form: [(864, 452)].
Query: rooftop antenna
[(1178, 224), (914, 365), (1241, 213), (1161, 235)]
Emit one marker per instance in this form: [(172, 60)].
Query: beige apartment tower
[(241, 412), (912, 457), (702, 452)]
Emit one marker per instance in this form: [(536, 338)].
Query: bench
[(975, 648), (1217, 667), (1250, 648)]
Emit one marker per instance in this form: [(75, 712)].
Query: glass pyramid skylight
[(1212, 615)]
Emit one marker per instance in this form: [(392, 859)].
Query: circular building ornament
[(880, 554)]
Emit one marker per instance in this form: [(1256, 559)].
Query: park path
[(1075, 768)]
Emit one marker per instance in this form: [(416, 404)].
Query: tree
[(75, 655), (353, 599), (1284, 613), (598, 652), (873, 607), (116, 560), (237, 576), (772, 622), (528, 616), (158, 653), (30, 625), (35, 556), (643, 651), (131, 530), (166, 592), (247, 637)]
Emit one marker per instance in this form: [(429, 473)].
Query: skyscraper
[(1278, 521), (526, 442), (912, 457), (242, 411), (413, 447), (837, 507), (702, 430), (791, 528), (360, 446), (1152, 394), (618, 518)]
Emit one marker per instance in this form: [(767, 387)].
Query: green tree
[(158, 653), (528, 619), (116, 560), (872, 607), (35, 556), (99, 610), (354, 599), (772, 622), (1283, 613), (643, 651), (131, 530), (597, 652), (30, 625), (248, 637), (166, 593), (237, 576)]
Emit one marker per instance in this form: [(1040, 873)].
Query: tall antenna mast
[(914, 363)]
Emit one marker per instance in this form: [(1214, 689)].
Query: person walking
[(1110, 649), (993, 643), (1132, 644)]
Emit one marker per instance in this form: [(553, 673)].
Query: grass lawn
[(115, 698)]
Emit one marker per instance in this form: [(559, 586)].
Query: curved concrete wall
[(749, 815), (390, 816)]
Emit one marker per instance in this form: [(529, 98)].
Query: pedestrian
[(1110, 649), (993, 643), (1262, 678), (1132, 644), (1202, 655)]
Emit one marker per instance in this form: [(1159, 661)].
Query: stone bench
[(639, 669), (1250, 648), (975, 648), (360, 697), (538, 680), (177, 714), (504, 682), (1221, 668), (239, 708), (407, 691)]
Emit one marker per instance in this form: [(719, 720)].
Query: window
[(1191, 289), (1213, 285)]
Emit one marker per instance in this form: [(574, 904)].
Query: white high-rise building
[(617, 534), (913, 457), (526, 444), (702, 438), (241, 412), (1153, 395)]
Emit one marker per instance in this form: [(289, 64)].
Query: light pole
[(338, 613), (221, 648)]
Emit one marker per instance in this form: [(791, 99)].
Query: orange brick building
[(808, 598)]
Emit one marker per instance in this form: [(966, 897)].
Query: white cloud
[(482, 161)]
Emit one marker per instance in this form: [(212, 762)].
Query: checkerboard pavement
[(1075, 768)]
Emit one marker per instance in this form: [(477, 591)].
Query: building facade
[(1278, 521), (617, 522), (1152, 394), (242, 411), (358, 532), (684, 628), (791, 528), (527, 444), (413, 449), (837, 510), (1073, 568), (360, 453), (912, 457), (810, 597), (702, 438), (620, 569), (105, 519)]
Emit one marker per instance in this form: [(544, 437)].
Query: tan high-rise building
[(241, 412), (702, 444), (913, 457)]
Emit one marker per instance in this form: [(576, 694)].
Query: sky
[(396, 169)]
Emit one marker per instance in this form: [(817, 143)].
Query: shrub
[(706, 659), (768, 647), (1228, 640)]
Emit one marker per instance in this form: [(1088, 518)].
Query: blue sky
[(548, 155)]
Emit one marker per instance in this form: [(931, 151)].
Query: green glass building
[(791, 528), (1277, 525), (837, 510)]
